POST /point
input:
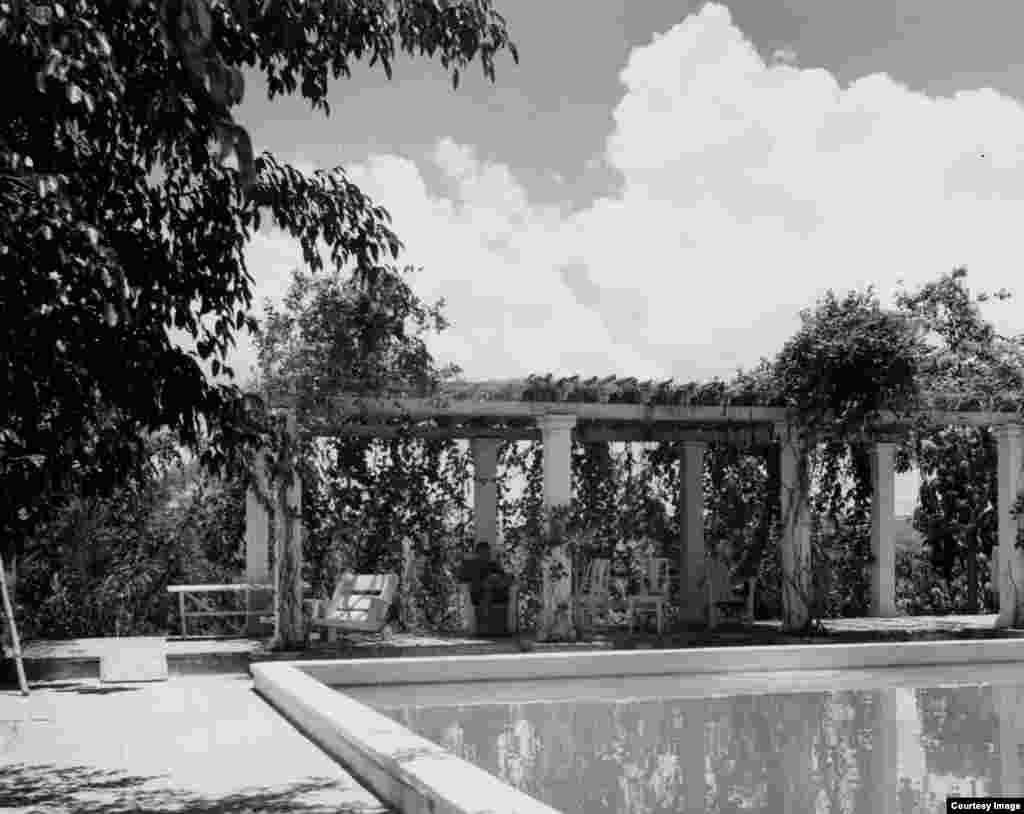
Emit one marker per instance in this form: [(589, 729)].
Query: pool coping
[(412, 773)]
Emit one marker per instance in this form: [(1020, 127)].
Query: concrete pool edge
[(412, 773), (401, 768), (688, 661)]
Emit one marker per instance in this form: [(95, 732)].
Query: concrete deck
[(197, 743)]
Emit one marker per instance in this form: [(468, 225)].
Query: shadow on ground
[(48, 789), (85, 688)]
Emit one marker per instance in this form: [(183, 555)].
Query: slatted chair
[(593, 595), (655, 584), (724, 594), (360, 603)]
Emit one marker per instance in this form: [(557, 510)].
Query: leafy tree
[(364, 495), (101, 566), (959, 489), (958, 497), (120, 222), (849, 360)]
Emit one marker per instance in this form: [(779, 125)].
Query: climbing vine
[(850, 361)]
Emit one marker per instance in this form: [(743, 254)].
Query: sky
[(659, 187)]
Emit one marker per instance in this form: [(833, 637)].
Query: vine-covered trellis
[(790, 445)]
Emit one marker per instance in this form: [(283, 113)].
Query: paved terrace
[(208, 743), (194, 743)]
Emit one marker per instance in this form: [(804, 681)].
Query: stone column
[(257, 529), (556, 431), (692, 555), (485, 490), (289, 627), (883, 517), (795, 517), (1009, 560)]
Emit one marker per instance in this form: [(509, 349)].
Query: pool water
[(653, 745)]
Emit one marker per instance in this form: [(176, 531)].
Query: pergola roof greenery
[(607, 409)]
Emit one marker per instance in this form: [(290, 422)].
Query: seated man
[(488, 583)]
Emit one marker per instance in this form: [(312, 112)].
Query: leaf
[(40, 15), (241, 9), (74, 93), (104, 44)]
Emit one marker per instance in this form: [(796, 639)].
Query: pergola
[(617, 410)]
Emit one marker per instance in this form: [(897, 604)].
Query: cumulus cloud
[(747, 188)]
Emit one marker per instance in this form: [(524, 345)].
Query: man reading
[(488, 583)]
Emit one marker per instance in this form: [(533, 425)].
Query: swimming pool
[(593, 738), (643, 749)]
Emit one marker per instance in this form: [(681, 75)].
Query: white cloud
[(747, 190)]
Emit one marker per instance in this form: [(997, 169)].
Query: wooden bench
[(203, 607)]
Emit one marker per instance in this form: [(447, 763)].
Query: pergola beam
[(742, 434), (420, 409), (331, 411)]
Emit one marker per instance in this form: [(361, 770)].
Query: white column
[(485, 489), (1009, 560), (692, 565), (883, 517), (257, 528), (556, 610), (556, 432), (795, 516)]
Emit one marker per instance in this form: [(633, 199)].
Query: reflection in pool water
[(889, 750)]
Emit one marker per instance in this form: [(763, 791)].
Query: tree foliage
[(102, 564), (129, 194), (363, 496), (849, 360), (958, 507)]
